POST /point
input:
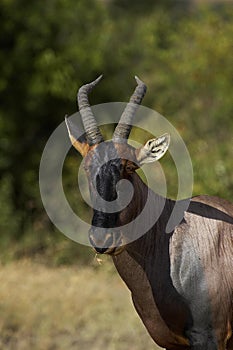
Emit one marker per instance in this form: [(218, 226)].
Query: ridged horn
[(124, 126), (91, 128)]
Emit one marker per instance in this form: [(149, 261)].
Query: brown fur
[(166, 273)]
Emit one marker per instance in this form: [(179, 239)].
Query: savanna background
[(54, 293)]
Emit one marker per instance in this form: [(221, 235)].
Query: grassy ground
[(67, 308)]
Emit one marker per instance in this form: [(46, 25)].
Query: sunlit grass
[(67, 308)]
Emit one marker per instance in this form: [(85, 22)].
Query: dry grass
[(67, 308)]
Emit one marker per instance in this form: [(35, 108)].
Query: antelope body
[(181, 282)]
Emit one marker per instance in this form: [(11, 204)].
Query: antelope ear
[(153, 150), (80, 144)]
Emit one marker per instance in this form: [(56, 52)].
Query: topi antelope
[(181, 282)]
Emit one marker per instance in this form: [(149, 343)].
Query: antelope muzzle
[(105, 241)]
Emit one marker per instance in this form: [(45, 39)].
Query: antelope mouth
[(112, 244)]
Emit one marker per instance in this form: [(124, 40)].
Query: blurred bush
[(181, 50)]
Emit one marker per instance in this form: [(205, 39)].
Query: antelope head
[(107, 163)]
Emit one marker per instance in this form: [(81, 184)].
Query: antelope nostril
[(91, 240), (109, 241)]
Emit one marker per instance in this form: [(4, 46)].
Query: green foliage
[(183, 53), (7, 225)]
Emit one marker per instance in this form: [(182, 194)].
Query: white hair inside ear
[(153, 150)]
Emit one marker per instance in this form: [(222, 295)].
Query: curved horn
[(124, 126), (91, 128)]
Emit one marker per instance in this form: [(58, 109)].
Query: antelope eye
[(129, 167)]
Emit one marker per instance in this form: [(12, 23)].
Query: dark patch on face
[(107, 179), (104, 175)]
